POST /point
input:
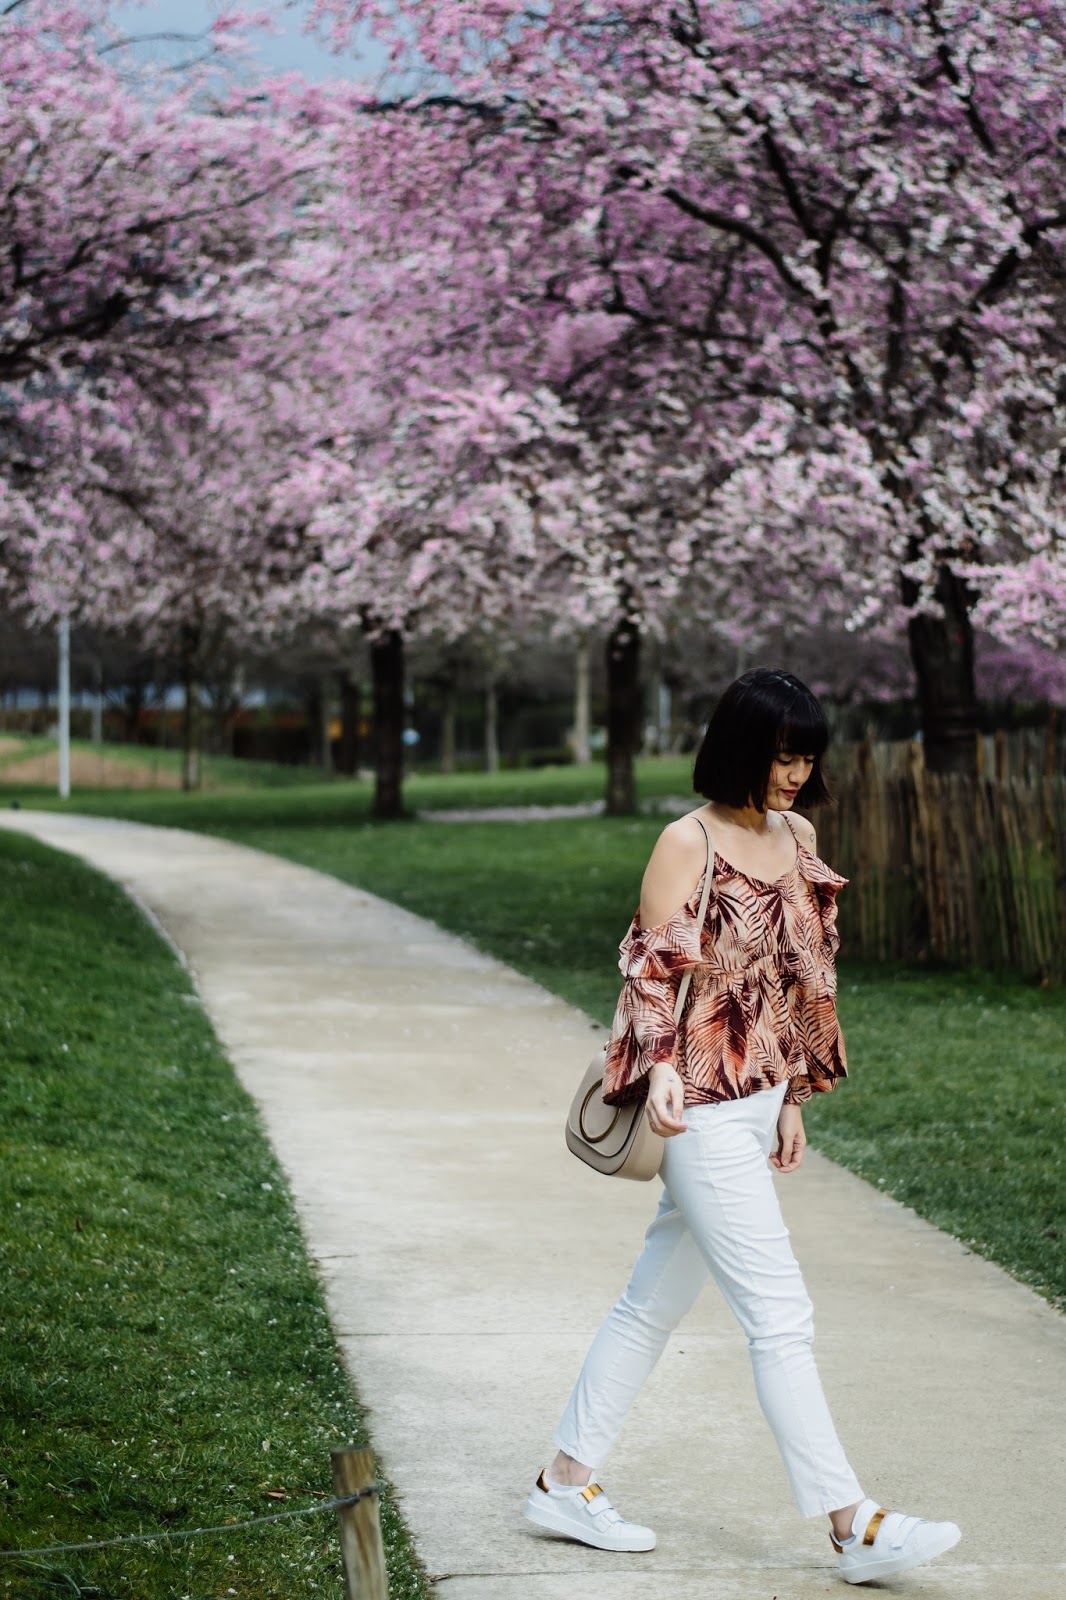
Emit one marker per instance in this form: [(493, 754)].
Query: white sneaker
[(585, 1513), (888, 1542)]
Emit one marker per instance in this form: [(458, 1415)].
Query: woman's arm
[(670, 878), (662, 942), (673, 871)]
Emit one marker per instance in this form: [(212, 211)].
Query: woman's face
[(788, 774)]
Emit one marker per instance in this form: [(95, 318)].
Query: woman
[(725, 1088)]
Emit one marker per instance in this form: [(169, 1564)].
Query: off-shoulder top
[(762, 1002)]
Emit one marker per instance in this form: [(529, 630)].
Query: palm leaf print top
[(762, 1002)]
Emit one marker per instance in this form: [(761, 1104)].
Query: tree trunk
[(624, 717), (447, 727), (348, 749), (942, 653), (387, 665), (192, 711), (492, 726), (582, 705)]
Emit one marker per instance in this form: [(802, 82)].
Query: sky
[(288, 51)]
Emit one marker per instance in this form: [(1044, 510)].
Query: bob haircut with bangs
[(761, 714)]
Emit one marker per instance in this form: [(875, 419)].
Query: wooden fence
[(968, 870), (1006, 753)]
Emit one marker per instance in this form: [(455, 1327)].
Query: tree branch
[(1005, 269), (740, 229), (954, 77), (436, 102), (790, 188), (152, 38)]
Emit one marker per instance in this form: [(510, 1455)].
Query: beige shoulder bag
[(618, 1140)]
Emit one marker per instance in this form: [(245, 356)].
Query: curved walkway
[(414, 1090)]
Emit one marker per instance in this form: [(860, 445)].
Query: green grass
[(165, 1355), (957, 1107), (219, 772), (292, 793)]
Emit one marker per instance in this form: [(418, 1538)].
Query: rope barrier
[(194, 1533)]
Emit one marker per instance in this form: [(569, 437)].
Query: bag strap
[(682, 992)]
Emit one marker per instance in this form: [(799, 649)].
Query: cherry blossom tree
[(164, 235), (604, 319), (848, 214)]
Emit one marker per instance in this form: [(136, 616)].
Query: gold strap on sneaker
[(590, 1492), (872, 1526), (868, 1537)]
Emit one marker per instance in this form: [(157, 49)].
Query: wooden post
[(1001, 754), (362, 1552), (1056, 800)]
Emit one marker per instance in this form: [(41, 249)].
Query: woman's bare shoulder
[(803, 828), (674, 869)]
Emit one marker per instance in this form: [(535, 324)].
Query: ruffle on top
[(762, 1003)]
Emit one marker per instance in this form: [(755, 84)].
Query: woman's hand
[(666, 1099), (791, 1139)]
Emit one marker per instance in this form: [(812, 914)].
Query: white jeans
[(719, 1216)]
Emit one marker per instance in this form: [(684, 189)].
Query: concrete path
[(415, 1092)]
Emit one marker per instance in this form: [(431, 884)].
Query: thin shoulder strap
[(682, 992), (800, 846)]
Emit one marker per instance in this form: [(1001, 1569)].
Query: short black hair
[(760, 714)]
